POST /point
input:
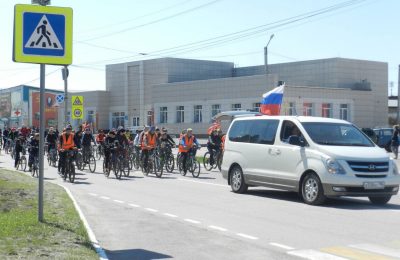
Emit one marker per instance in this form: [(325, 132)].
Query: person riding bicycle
[(33, 150), (186, 146), (6, 131), (51, 139), (78, 139), (123, 141), (166, 139), (149, 144), (66, 143), (13, 135), (86, 142), (100, 137), (141, 140), (18, 149), (109, 148), (24, 132), (213, 145)]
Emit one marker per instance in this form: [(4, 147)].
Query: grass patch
[(61, 236)]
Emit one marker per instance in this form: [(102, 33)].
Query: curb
[(100, 251)]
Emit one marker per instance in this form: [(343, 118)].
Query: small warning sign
[(78, 101)]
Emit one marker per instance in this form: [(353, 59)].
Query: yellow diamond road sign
[(77, 107), (42, 34)]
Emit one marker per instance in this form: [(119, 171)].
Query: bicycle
[(52, 156), (167, 158), (99, 152), (153, 164), (88, 159), (192, 165), (136, 158), (69, 167), (35, 167), (21, 165), (217, 158)]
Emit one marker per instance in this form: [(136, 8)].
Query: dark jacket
[(87, 139)]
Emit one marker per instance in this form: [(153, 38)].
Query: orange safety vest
[(188, 142), (69, 143), (151, 141)]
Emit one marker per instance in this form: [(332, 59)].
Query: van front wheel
[(380, 200), (312, 191), (237, 180)]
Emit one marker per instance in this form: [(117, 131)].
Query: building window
[(135, 121), (292, 109), (150, 117), (308, 109), (215, 109), (198, 114), (344, 111), (90, 116), (256, 107), (180, 114), (118, 119), (236, 107), (163, 115), (326, 110)]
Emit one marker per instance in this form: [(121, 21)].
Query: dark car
[(384, 137)]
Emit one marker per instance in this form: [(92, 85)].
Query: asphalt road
[(186, 218)]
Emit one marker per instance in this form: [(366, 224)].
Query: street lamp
[(266, 53)]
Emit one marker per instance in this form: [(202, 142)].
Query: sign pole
[(41, 138), (65, 73)]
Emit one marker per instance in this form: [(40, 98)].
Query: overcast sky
[(108, 32)]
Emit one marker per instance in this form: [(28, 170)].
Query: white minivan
[(317, 157)]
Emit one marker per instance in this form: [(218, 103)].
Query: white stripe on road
[(247, 236), (314, 255), (192, 221), (104, 198), (119, 201), (379, 249), (218, 228), (281, 246), (134, 205), (93, 194), (151, 210), (170, 215), (202, 182)]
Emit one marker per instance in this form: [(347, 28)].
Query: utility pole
[(266, 54), (65, 73), (398, 98)]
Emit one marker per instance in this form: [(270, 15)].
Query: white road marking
[(104, 198), (202, 182), (134, 205), (247, 236), (314, 255), (281, 246), (192, 221), (218, 228), (93, 194), (170, 215), (151, 210), (378, 249), (119, 201)]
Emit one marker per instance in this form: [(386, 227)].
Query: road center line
[(192, 221), (201, 182), (93, 194), (281, 246), (218, 228), (119, 201), (170, 215), (134, 205), (151, 210), (104, 198), (247, 236)]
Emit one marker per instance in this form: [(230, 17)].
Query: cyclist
[(13, 135), (158, 132), (33, 150), (78, 139), (66, 143), (166, 138), (213, 144), (186, 146), (18, 149), (5, 136), (100, 137), (51, 140), (123, 142), (86, 142), (141, 140), (109, 145), (149, 144), (24, 132), (223, 136)]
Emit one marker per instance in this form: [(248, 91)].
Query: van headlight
[(334, 167), (395, 170)]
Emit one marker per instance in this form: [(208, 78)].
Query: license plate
[(374, 185)]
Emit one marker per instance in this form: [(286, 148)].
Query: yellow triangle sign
[(77, 102)]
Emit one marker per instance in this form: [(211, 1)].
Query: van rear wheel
[(381, 200), (238, 184), (312, 190)]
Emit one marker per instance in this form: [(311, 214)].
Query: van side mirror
[(296, 140)]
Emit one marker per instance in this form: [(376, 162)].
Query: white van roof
[(301, 119)]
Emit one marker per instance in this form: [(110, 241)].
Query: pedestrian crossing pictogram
[(77, 102), (44, 37)]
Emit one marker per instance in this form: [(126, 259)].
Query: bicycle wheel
[(136, 162), (219, 162), (127, 167), (22, 162), (130, 162), (195, 169), (78, 161), (206, 162), (170, 163), (71, 172), (64, 170), (183, 173), (92, 164), (49, 159), (121, 169), (158, 167), (98, 153)]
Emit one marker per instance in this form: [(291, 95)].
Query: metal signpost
[(65, 74), (42, 35)]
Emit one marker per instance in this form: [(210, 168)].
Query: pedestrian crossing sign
[(42, 34)]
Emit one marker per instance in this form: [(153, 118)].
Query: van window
[(254, 131), (288, 129)]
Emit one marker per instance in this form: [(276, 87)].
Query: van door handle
[(277, 152), (273, 151)]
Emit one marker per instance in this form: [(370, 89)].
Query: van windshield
[(336, 134)]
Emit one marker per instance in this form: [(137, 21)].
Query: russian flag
[(272, 100)]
